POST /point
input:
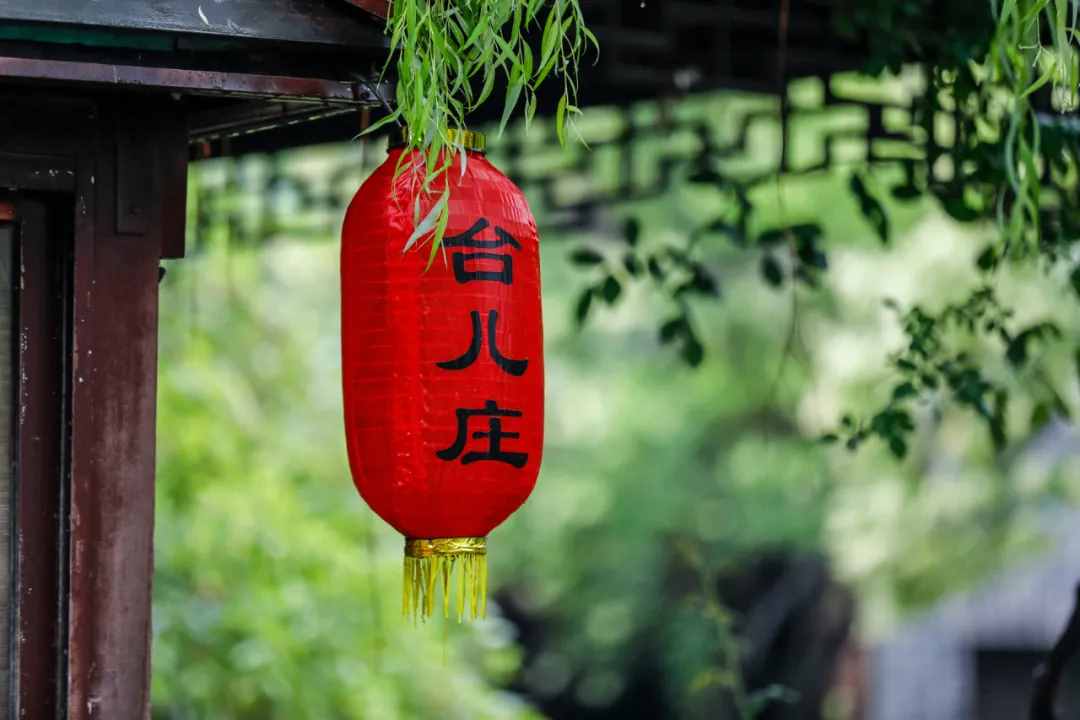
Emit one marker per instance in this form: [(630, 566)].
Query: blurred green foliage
[(277, 590)]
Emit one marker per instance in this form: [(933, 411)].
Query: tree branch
[(1048, 674)]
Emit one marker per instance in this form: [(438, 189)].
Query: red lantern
[(443, 366)]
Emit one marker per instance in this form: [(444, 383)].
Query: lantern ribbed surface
[(442, 365)]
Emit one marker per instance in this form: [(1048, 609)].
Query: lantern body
[(442, 363)]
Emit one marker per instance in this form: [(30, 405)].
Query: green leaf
[(996, 421), (440, 231), (693, 351), (704, 283), (611, 289), (560, 121), (897, 446), (533, 7), (550, 40), (1043, 79), (526, 63), (586, 256), (987, 259), (959, 210), (904, 390), (474, 36), (485, 92), (771, 271), (672, 329), (380, 123), (429, 222), (1017, 349), (512, 95), (530, 108), (655, 270), (584, 303), (545, 70)]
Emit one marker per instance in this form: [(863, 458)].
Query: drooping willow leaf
[(443, 49)]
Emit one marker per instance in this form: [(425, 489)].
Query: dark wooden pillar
[(113, 172), (131, 202)]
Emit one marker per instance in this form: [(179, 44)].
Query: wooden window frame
[(39, 486)]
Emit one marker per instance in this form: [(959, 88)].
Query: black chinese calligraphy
[(509, 365), (494, 436), (474, 266)]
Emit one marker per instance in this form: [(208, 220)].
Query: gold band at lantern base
[(457, 565)]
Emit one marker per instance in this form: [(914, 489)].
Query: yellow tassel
[(431, 564)]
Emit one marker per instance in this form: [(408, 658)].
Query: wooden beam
[(318, 22), (381, 8), (36, 172), (195, 81)]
